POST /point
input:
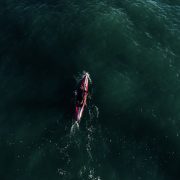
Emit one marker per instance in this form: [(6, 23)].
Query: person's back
[(79, 96), (80, 91)]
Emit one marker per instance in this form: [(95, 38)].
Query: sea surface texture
[(130, 129)]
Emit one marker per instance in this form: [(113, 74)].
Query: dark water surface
[(131, 48)]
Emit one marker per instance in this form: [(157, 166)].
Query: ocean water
[(131, 48)]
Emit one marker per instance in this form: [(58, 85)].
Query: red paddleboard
[(79, 108)]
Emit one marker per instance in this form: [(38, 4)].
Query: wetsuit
[(80, 93)]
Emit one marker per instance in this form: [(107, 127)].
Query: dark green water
[(131, 48)]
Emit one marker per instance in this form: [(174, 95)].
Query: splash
[(74, 128)]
